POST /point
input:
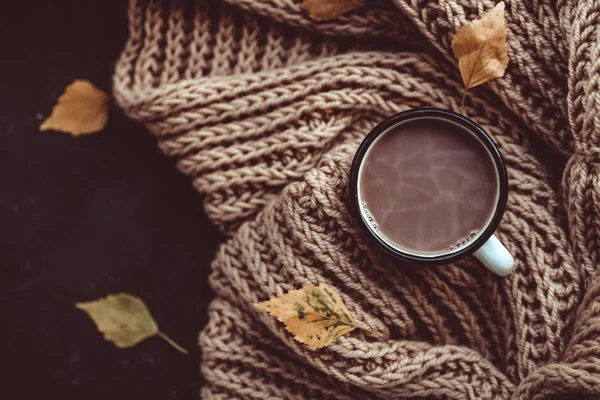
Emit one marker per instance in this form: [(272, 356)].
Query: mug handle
[(495, 257)]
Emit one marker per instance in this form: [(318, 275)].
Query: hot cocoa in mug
[(430, 186)]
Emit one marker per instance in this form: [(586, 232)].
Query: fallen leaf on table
[(481, 48), (124, 320), (322, 10), (315, 315), (81, 109)]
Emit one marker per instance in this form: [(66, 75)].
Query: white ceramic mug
[(485, 247)]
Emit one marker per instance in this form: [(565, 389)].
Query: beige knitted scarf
[(264, 108)]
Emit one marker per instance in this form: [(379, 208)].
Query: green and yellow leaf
[(315, 315), (124, 320)]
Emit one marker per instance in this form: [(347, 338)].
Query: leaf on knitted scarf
[(481, 48), (323, 10), (81, 109), (315, 315), (124, 320)]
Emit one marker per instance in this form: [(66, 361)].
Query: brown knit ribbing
[(264, 108)]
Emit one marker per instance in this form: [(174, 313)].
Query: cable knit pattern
[(264, 108)]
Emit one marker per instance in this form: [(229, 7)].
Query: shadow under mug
[(486, 247)]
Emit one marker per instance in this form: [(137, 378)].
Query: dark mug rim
[(473, 128)]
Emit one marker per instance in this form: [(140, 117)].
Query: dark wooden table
[(84, 217)]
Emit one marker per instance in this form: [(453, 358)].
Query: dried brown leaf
[(323, 10), (481, 48), (81, 109), (315, 315), (124, 320)]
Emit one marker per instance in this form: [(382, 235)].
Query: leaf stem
[(373, 334), (462, 103), (171, 342)]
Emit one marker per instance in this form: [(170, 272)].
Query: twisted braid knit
[(263, 108)]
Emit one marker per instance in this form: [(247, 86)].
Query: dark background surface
[(84, 217)]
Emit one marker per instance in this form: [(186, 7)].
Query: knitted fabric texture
[(264, 108)]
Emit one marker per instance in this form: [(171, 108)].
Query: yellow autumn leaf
[(322, 10), (81, 109), (481, 48), (124, 320), (315, 315)]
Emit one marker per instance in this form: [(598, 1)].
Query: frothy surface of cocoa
[(428, 186)]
